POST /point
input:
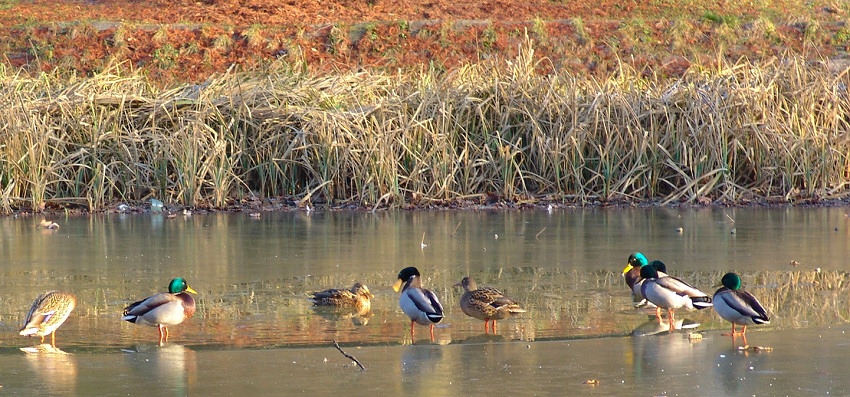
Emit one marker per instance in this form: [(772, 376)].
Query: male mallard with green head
[(357, 298), (47, 313), (486, 303), (631, 273), (163, 309), (419, 304), (670, 293), (738, 306)]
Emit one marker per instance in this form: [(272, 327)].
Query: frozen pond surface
[(255, 330), (802, 362)]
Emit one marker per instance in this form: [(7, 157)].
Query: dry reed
[(777, 130)]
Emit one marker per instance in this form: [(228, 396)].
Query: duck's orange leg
[(432, 332), (743, 339), (658, 312), (53, 339), (163, 334), (671, 320), (494, 326), (412, 333)]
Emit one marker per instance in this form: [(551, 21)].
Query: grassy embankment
[(775, 130)]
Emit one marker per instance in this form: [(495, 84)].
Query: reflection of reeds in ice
[(56, 369), (805, 298)]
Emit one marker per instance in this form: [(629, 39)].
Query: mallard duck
[(631, 273), (47, 313), (486, 303), (671, 293), (637, 293), (421, 305), (163, 309), (738, 306), (357, 298)]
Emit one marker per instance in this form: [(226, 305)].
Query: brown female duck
[(358, 298), (486, 303), (47, 313)]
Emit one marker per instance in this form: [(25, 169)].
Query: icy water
[(256, 331)]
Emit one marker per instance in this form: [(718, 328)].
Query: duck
[(486, 303), (637, 293), (671, 293), (421, 305), (357, 298), (48, 312), (163, 309), (49, 224), (631, 273), (738, 306)]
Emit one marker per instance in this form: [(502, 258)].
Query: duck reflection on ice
[(484, 338), (334, 314), (655, 325), (664, 353), (424, 370), (173, 366), (418, 360), (56, 368)]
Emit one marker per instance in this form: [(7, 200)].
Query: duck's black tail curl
[(701, 302)]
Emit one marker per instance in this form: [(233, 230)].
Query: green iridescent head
[(649, 272), (659, 266), (179, 285), (731, 281), (637, 260)]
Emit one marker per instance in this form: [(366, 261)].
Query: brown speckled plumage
[(486, 303), (358, 297), (47, 313)]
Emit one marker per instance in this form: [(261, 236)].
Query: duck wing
[(48, 312), (679, 287), (150, 304), (744, 303), (333, 296), (496, 299), (39, 313), (424, 302)]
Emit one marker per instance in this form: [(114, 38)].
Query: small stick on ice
[(455, 231), (336, 345), (536, 236)]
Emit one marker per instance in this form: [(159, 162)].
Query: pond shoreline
[(486, 203)]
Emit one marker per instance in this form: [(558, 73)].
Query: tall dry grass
[(777, 129)]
